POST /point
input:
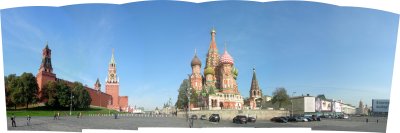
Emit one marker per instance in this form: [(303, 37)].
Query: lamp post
[(188, 93), (291, 100), (70, 107)]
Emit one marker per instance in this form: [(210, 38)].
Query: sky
[(311, 48)]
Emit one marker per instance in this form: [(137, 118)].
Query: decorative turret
[(235, 72), (46, 60), (208, 71), (255, 90), (195, 60), (196, 79), (226, 58), (97, 85)]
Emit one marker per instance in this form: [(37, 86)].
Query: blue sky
[(308, 48)]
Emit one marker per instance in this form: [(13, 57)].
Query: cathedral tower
[(45, 73), (227, 82), (210, 70), (112, 83), (196, 78)]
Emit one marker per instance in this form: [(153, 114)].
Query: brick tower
[(255, 91), (97, 85), (45, 73), (210, 70), (112, 84), (196, 78)]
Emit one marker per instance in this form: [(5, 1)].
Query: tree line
[(23, 90)]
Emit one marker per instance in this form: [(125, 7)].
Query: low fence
[(230, 114)]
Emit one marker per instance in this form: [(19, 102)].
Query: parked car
[(343, 117), (240, 119), (251, 119), (282, 120), (291, 119), (315, 118), (194, 117), (301, 119), (309, 119), (279, 119), (214, 118), (203, 117)]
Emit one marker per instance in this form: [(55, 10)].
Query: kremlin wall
[(109, 99)]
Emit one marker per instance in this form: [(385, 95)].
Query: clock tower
[(112, 83)]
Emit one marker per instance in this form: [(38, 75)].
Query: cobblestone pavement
[(74, 124)]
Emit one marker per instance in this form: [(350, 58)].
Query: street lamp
[(188, 93), (291, 100), (70, 107)]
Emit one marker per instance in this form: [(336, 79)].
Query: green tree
[(182, 100), (194, 98), (29, 89), (64, 94), (280, 96), (50, 94), (82, 98), (10, 85)]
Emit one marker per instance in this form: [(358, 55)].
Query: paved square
[(74, 124)]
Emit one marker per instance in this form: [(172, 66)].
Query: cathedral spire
[(213, 45), (255, 89)]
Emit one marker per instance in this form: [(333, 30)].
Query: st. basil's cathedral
[(218, 88)]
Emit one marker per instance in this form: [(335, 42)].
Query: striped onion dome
[(226, 58)]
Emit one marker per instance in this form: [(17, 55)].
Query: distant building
[(380, 107), (266, 98), (302, 105), (349, 109)]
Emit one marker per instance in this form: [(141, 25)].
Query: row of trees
[(58, 94), (279, 99), (23, 90)]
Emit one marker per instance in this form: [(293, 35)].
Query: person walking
[(191, 123), (13, 124), (55, 116), (58, 115), (28, 120)]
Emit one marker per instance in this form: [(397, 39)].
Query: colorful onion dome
[(209, 70), (226, 58), (196, 61), (235, 71)]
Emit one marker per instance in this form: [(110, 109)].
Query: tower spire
[(112, 57)]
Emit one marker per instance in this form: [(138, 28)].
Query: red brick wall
[(98, 98), (113, 90), (123, 102), (42, 78)]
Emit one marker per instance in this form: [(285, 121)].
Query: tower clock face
[(112, 75)]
